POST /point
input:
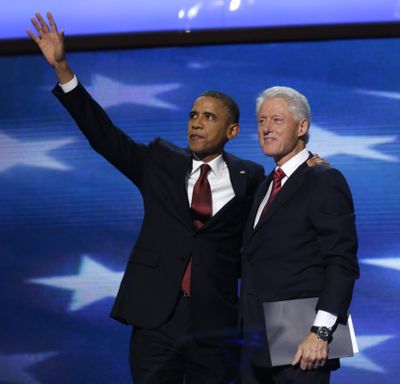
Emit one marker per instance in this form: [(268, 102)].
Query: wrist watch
[(323, 333)]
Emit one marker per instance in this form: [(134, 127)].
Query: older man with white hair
[(300, 242)]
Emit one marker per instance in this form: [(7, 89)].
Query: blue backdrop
[(69, 219), (104, 16)]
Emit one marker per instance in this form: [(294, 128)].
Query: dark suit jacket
[(151, 283), (304, 246)]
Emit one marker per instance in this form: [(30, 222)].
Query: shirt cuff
[(68, 87), (325, 319)]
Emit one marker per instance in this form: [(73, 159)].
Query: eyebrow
[(276, 114), (204, 112)]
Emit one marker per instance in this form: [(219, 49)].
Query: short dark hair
[(233, 108)]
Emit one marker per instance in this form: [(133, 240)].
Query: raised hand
[(51, 43)]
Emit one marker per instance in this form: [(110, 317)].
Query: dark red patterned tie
[(276, 187), (201, 212)]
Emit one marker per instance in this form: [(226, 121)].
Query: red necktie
[(201, 212), (276, 187)]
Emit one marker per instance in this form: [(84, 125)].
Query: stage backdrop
[(68, 219)]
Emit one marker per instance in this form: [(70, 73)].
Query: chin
[(194, 148), (268, 151)]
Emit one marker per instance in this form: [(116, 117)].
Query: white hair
[(298, 103)]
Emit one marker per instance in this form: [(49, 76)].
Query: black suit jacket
[(151, 284), (304, 246)]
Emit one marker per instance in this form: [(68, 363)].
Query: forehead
[(275, 105), (209, 103)]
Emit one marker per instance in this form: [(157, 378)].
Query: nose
[(266, 126), (197, 123)]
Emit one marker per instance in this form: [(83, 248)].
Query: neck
[(206, 158), (283, 159)]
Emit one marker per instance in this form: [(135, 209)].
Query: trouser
[(287, 375), (171, 354)]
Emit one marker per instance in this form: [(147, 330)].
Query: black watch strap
[(323, 333)]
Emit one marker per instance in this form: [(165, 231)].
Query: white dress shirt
[(219, 179)]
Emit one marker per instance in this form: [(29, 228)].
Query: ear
[(302, 128), (232, 131)]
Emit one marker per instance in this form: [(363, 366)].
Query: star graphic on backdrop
[(388, 262), (327, 143), (385, 94), (12, 367), (109, 93), (360, 360), (94, 282), (196, 65), (32, 153)]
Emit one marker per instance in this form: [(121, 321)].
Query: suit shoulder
[(326, 178), (254, 170), (253, 166), (168, 146), (165, 150), (326, 171), (248, 164)]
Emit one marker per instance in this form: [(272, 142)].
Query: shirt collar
[(216, 165), (292, 164)]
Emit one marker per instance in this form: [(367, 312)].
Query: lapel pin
[(242, 172)]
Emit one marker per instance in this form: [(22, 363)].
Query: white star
[(12, 367), (385, 94), (389, 262), (360, 360), (32, 153), (109, 92), (196, 65), (94, 282), (327, 144)]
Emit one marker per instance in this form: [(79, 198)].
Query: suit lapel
[(289, 188), (238, 175), (180, 173), (258, 197)]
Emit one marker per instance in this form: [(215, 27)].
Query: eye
[(261, 121), (277, 120), (192, 115), (210, 116)]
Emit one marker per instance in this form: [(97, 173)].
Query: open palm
[(50, 41)]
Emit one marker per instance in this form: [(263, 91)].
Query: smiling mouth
[(268, 139)]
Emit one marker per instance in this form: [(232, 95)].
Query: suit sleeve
[(113, 144), (332, 215)]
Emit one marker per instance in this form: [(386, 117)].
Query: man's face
[(209, 127), (279, 131)]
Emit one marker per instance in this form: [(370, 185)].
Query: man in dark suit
[(179, 289), (300, 241)]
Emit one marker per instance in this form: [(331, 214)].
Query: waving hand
[(51, 43)]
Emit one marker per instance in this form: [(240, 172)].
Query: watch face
[(324, 333)]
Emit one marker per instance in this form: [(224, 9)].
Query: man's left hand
[(312, 353), (316, 160)]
